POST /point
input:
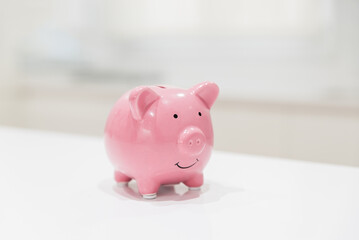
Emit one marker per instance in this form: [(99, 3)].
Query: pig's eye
[(199, 113), (175, 115)]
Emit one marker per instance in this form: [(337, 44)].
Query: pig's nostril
[(198, 141), (190, 142)]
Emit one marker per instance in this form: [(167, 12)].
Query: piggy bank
[(161, 135)]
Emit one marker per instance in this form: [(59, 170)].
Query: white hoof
[(194, 188), (121, 184), (149, 196)]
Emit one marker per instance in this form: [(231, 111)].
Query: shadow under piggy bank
[(178, 193)]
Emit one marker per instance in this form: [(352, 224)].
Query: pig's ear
[(141, 98), (207, 92)]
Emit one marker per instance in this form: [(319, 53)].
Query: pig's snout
[(192, 141)]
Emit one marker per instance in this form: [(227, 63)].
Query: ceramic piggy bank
[(161, 135)]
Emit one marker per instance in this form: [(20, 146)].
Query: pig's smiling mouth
[(177, 164)]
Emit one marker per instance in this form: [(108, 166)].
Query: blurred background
[(288, 70)]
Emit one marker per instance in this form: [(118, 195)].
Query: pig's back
[(120, 130)]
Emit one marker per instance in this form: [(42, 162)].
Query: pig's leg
[(121, 178), (148, 188), (195, 182)]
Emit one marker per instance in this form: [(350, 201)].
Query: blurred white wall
[(288, 69)]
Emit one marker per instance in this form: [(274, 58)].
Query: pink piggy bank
[(161, 135)]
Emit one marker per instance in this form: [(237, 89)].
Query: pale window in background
[(277, 49), (227, 17)]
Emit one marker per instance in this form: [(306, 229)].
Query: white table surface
[(58, 186)]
